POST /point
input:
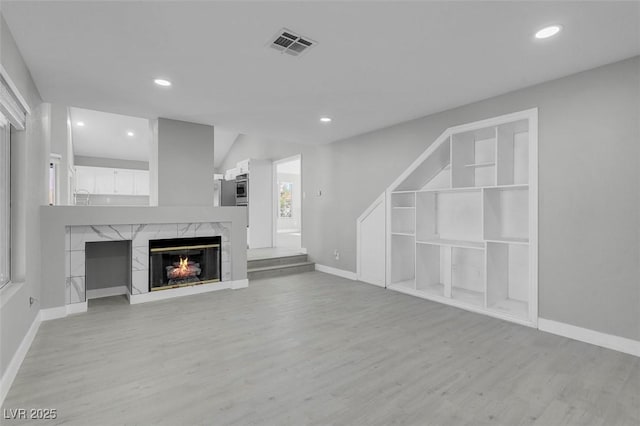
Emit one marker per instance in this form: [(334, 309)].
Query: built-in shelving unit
[(463, 220)]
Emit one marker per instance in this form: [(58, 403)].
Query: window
[(5, 210), (285, 199)]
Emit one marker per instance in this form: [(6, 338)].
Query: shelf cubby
[(403, 213), (513, 153), (403, 259), (473, 158), (449, 215), (433, 269), (403, 199), (467, 275), (508, 279), (506, 214), (403, 221)]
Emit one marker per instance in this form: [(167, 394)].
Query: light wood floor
[(316, 349)]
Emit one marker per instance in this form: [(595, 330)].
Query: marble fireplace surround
[(76, 238), (65, 230)]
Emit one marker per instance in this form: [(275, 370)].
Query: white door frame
[(276, 195)]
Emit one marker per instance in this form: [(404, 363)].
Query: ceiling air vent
[(287, 41)]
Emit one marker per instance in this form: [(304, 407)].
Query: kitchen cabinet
[(124, 182), (111, 181), (141, 182)]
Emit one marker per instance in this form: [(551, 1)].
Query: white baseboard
[(107, 292), (609, 341), (77, 308), (14, 366), (63, 311), (239, 284), (53, 313), (152, 296), (372, 282), (335, 271)]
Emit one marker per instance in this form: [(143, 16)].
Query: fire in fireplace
[(180, 262)]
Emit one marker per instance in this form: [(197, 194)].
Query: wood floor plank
[(316, 349)]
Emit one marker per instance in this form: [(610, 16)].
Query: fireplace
[(180, 262)]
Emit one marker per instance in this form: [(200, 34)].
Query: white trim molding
[(13, 106), (77, 308), (338, 272), (14, 366), (236, 284), (53, 313), (62, 311), (609, 341)]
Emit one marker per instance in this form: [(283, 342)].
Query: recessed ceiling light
[(80, 124), (325, 119), (162, 82), (549, 31), (130, 133)]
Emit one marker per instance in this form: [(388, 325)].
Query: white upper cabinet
[(243, 167), (141, 180), (111, 181), (105, 183), (85, 179), (124, 182)]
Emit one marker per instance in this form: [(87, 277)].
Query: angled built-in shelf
[(463, 220)]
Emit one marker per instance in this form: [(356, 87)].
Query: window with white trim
[(13, 113), (5, 202)]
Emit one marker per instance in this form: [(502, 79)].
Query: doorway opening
[(287, 218)]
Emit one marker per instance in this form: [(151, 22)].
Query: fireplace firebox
[(180, 262)]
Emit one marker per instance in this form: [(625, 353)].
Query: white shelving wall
[(463, 220)]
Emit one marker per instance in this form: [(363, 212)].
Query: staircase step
[(275, 261), (280, 270)]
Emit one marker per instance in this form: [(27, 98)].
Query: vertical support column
[(445, 269)]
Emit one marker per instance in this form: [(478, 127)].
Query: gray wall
[(107, 264), (29, 165), (115, 163), (589, 187), (185, 163)]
